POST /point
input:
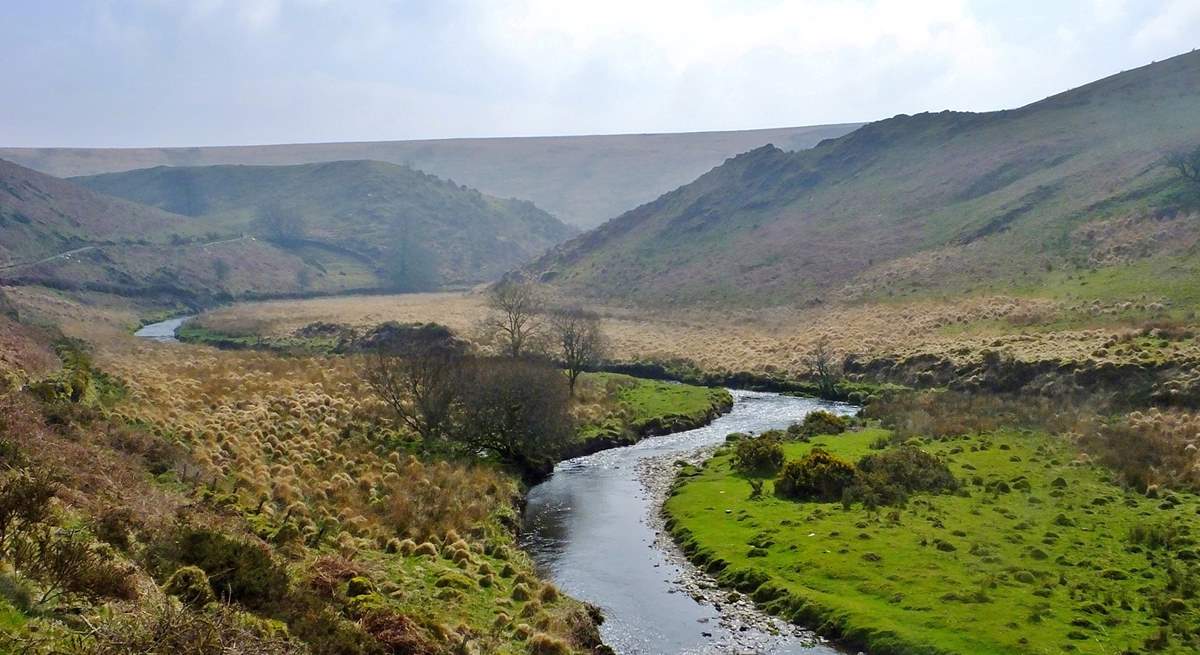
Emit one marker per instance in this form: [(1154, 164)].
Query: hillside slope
[(931, 203), (398, 218), (321, 229), (584, 180), (41, 216)]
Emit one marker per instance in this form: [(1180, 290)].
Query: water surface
[(162, 330), (587, 530)]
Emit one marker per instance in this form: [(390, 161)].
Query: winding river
[(592, 529)]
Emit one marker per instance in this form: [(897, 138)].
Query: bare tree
[(515, 307), (517, 411), (579, 341), (421, 382), (824, 368), (279, 225), (1187, 162)]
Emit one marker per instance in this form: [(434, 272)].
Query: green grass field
[(1035, 557), (639, 407)]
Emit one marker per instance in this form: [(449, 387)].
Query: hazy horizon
[(147, 73)]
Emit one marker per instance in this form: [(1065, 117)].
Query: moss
[(359, 586), (190, 584)]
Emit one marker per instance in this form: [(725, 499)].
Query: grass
[(634, 407), (1048, 568)]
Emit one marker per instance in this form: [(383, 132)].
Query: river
[(162, 330), (592, 527)]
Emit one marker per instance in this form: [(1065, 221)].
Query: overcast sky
[(210, 72)]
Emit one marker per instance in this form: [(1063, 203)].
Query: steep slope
[(940, 202), (582, 179), (42, 216), (398, 218)]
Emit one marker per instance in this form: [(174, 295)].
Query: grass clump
[(190, 585)]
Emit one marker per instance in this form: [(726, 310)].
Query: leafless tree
[(280, 225), (422, 384), (517, 411), (824, 368), (579, 340), (514, 320)]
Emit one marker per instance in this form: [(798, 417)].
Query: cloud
[(198, 72)]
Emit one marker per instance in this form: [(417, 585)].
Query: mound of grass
[(1037, 553)]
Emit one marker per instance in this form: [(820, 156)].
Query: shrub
[(359, 586), (817, 423), (64, 562), (904, 470), (242, 569), (818, 475), (759, 456), (24, 499), (190, 585), (888, 478), (113, 526)]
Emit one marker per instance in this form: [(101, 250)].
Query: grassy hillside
[(584, 180), (913, 205), (41, 216), (413, 227), (274, 231)]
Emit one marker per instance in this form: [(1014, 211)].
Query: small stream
[(590, 529)]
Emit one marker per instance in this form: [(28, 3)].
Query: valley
[(923, 385)]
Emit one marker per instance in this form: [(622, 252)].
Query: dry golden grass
[(768, 340), (281, 433)]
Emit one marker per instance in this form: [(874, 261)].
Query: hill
[(274, 231), (42, 216), (584, 180), (419, 230), (916, 205)]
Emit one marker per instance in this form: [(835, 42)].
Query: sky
[(106, 73)]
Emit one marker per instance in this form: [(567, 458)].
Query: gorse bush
[(887, 478), (758, 455), (818, 475), (911, 468), (818, 423)]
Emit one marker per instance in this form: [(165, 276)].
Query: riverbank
[(1040, 551), (753, 628), (591, 528)]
